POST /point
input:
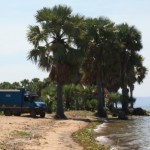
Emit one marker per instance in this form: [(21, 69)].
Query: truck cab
[(17, 102)]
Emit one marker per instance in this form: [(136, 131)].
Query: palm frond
[(33, 55), (44, 14), (62, 11), (35, 35)]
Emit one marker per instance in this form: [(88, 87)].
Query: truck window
[(26, 98), (33, 98)]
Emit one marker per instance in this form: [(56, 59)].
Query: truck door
[(25, 104)]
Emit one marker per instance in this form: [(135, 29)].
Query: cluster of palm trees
[(92, 51)]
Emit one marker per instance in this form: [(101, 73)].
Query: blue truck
[(19, 101)]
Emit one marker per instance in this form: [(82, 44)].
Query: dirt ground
[(26, 133)]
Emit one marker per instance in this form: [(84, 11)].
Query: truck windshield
[(31, 98)]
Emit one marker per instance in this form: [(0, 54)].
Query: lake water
[(133, 134)]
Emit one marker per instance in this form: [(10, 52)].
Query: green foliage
[(1, 113), (132, 99), (88, 104), (68, 95), (20, 133), (114, 97), (86, 138), (48, 95), (34, 85), (93, 103), (78, 97), (6, 85), (52, 39), (79, 113)]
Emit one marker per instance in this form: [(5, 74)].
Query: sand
[(25, 133)]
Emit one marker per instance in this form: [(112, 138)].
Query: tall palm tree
[(112, 70), (100, 34), (54, 48), (130, 39), (136, 72)]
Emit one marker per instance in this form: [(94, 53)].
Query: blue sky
[(17, 15)]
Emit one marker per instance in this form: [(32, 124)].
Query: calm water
[(133, 134)]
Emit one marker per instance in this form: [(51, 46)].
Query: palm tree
[(112, 70), (54, 48), (130, 39), (136, 72), (25, 84), (101, 35)]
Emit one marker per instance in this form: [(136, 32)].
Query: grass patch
[(1, 113), (86, 137), (79, 113), (17, 133), (75, 114)]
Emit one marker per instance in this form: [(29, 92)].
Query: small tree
[(132, 100), (114, 99), (48, 94)]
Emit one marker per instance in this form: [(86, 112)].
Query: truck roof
[(9, 90)]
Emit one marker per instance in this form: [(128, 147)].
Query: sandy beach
[(25, 133)]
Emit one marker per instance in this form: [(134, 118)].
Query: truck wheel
[(7, 112), (17, 114), (33, 113), (42, 114)]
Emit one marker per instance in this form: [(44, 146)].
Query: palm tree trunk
[(60, 109), (103, 95), (124, 100), (131, 94), (67, 103), (100, 111)]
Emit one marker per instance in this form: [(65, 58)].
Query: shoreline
[(26, 133), (111, 139)]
